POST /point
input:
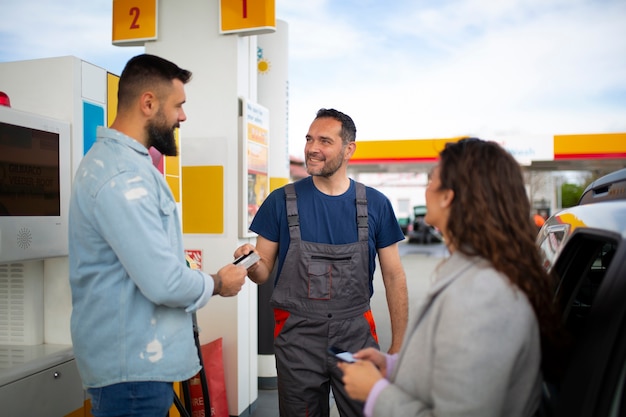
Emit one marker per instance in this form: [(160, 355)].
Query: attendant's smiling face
[(325, 151)]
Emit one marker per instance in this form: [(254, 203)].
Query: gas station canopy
[(602, 152)]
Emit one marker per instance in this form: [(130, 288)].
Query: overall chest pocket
[(325, 273)]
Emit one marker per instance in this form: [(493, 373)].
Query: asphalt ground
[(419, 262)]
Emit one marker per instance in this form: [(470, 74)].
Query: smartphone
[(247, 260), (341, 354)]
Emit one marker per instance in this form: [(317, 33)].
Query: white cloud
[(404, 69), (468, 67)]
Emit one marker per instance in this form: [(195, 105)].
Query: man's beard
[(162, 137), (328, 169)]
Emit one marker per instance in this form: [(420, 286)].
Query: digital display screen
[(29, 172)]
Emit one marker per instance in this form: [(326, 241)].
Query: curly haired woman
[(474, 346)]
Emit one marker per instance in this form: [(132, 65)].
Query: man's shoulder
[(114, 158), (105, 164), (374, 195)]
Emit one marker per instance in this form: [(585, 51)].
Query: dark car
[(586, 246), (422, 232)]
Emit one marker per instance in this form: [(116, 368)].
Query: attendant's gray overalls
[(322, 299)]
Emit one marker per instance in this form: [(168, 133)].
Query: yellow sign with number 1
[(247, 17), (134, 22)]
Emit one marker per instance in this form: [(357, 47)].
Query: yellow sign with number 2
[(134, 21)]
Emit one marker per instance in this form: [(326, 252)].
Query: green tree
[(570, 194)]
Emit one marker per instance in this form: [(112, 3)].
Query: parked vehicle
[(405, 224), (586, 247), (421, 231)]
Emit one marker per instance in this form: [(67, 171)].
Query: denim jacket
[(132, 294)]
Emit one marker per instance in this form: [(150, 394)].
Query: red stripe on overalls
[(369, 316), (280, 317)]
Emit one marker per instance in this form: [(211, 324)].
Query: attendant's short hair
[(348, 129)]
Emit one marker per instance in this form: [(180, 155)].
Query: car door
[(592, 298)]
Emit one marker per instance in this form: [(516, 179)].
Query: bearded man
[(133, 296), (324, 232)]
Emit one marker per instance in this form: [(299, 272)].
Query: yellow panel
[(134, 21), (590, 144), (174, 183), (172, 165), (408, 149), (203, 205), (277, 182), (247, 16), (113, 82)]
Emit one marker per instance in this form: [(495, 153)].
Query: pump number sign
[(247, 17), (134, 22)]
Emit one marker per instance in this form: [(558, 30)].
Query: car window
[(582, 272)]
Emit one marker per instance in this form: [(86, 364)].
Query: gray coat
[(472, 349)]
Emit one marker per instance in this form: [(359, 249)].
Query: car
[(585, 246), (422, 232)]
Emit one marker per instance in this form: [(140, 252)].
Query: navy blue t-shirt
[(327, 219)]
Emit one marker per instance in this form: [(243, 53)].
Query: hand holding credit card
[(247, 260), (341, 354)]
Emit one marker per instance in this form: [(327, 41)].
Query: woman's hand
[(359, 378), (375, 356)]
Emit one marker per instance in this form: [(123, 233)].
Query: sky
[(514, 71)]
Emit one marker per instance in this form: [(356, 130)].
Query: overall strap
[(361, 211), (293, 220)]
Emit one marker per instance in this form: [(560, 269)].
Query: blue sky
[(509, 70)]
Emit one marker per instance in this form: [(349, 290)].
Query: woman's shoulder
[(483, 282)]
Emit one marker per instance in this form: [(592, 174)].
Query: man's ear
[(148, 103), (350, 149)]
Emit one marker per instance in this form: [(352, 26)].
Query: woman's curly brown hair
[(490, 217)]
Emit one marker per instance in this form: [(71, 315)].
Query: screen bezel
[(39, 237)]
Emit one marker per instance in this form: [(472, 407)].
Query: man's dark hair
[(348, 129), (147, 72)]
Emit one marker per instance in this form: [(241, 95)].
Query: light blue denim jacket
[(132, 293)]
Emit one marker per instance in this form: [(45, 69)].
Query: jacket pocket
[(166, 206), (167, 210)]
